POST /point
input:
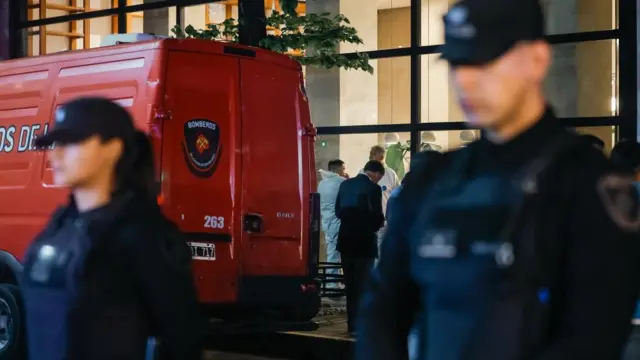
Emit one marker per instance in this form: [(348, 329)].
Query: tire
[(305, 311), (12, 329)]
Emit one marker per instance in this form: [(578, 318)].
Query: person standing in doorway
[(359, 208), (328, 190)]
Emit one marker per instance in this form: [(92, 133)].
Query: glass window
[(572, 16), (196, 16), (82, 34), (443, 141), (135, 21), (385, 25), (432, 29), (354, 149), (438, 99), (582, 82), (583, 79), (339, 97), (85, 34), (159, 21), (562, 17)]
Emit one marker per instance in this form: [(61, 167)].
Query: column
[(196, 16), (561, 85), (160, 21), (341, 97), (359, 89), (323, 92), (438, 99), (581, 81)]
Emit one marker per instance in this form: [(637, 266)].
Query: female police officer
[(109, 270)]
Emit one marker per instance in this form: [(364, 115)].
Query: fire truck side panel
[(30, 91), (201, 163)]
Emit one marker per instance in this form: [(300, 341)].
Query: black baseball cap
[(83, 118), (480, 31)]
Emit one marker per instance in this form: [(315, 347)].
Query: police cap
[(83, 118), (480, 31)]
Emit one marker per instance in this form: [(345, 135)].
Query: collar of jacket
[(327, 174), (122, 208), (365, 176)]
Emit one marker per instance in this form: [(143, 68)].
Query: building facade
[(408, 99)]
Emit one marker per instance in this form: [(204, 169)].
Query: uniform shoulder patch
[(620, 200)]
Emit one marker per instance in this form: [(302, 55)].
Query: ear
[(114, 148), (541, 59)]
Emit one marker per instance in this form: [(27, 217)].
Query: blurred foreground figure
[(626, 154), (109, 270), (595, 141), (522, 245)]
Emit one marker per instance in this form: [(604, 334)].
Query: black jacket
[(359, 208), (134, 281), (573, 240)]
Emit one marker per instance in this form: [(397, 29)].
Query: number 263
[(213, 222)]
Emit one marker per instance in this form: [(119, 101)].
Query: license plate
[(203, 251)]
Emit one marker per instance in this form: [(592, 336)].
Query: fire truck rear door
[(200, 172)]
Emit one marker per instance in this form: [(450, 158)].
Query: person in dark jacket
[(626, 154), (359, 208), (595, 141), (522, 245), (109, 270)]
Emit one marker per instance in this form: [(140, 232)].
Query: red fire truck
[(234, 149)]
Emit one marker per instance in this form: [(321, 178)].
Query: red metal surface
[(266, 164), (275, 170), (205, 86)]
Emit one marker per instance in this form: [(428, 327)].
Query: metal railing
[(327, 280)]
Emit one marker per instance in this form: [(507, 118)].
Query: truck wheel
[(305, 311), (12, 334)]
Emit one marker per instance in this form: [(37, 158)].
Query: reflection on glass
[(382, 24), (562, 17), (67, 36), (582, 82), (572, 16), (339, 97), (354, 149), (85, 34), (447, 140)]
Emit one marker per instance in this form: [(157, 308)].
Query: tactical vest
[(488, 278)]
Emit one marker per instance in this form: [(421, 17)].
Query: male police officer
[(523, 244)]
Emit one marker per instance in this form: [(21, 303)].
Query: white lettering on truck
[(201, 124), (20, 140)]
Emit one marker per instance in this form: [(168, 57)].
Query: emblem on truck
[(201, 146)]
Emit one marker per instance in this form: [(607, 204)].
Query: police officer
[(521, 245), (109, 270)]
